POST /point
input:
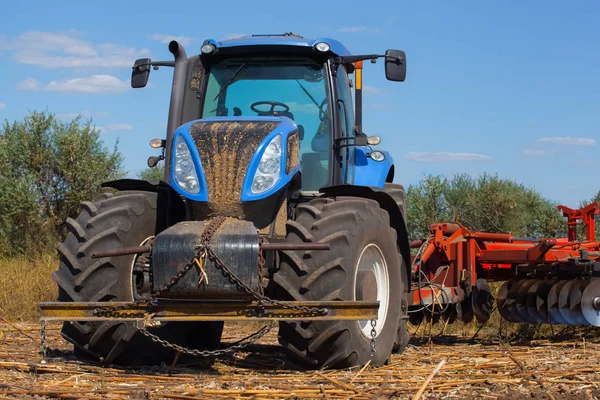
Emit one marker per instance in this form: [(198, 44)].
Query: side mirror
[(140, 73), (395, 65)]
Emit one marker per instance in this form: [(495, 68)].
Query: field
[(477, 368)]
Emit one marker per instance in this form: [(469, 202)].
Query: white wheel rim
[(371, 259)]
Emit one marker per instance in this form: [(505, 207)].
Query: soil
[(473, 369)]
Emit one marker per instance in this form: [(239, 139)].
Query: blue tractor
[(274, 205)]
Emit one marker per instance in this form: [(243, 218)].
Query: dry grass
[(25, 283), (473, 369)]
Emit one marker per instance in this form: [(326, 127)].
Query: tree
[(153, 174), (49, 167), (486, 203)]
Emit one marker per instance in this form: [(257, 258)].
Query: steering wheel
[(271, 111), (323, 110)]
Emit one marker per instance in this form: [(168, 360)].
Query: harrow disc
[(520, 306), (575, 301), (415, 317), (537, 300), (511, 300), (450, 314), (483, 301), (555, 316), (502, 300), (569, 305), (590, 302), (464, 310)]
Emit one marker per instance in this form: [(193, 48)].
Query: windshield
[(294, 88)]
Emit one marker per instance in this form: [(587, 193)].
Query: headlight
[(268, 172), (185, 171)]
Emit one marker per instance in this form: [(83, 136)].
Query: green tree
[(153, 174), (49, 167), (487, 203)]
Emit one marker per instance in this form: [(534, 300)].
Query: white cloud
[(102, 114), (95, 84), (70, 116), (444, 156), (567, 140), (30, 84), (184, 40), (67, 50), (2, 106), (163, 124), (229, 36), (537, 152), (119, 127), (353, 29)]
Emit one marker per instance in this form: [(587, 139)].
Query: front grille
[(225, 149)]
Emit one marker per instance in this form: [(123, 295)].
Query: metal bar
[(123, 251), (295, 246), (165, 310)]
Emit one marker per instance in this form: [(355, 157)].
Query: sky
[(501, 87)]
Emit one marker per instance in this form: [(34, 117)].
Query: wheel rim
[(140, 273), (371, 260)]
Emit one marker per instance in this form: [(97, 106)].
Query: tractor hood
[(216, 160)]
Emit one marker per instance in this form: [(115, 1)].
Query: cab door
[(345, 123)]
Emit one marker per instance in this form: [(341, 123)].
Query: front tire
[(355, 228), (126, 219)]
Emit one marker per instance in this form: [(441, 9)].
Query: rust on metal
[(208, 311), (125, 251)]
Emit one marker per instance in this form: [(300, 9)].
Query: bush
[(486, 203), (49, 167)]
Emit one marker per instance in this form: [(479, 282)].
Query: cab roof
[(286, 39)]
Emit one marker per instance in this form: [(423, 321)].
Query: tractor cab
[(287, 77)]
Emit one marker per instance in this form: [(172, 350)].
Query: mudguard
[(368, 172), (169, 202), (387, 203)]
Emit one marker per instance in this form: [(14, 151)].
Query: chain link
[(211, 353), (373, 337), (205, 250)]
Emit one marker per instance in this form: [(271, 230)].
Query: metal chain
[(211, 353), (373, 337), (210, 229)]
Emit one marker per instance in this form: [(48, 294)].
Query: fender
[(387, 203), (169, 203), (368, 172)]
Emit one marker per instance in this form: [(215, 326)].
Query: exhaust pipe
[(176, 106)]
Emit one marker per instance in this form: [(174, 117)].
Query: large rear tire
[(126, 219), (397, 192), (361, 240)]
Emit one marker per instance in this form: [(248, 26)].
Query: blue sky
[(506, 87)]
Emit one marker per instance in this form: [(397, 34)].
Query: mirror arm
[(372, 57), (155, 64)]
